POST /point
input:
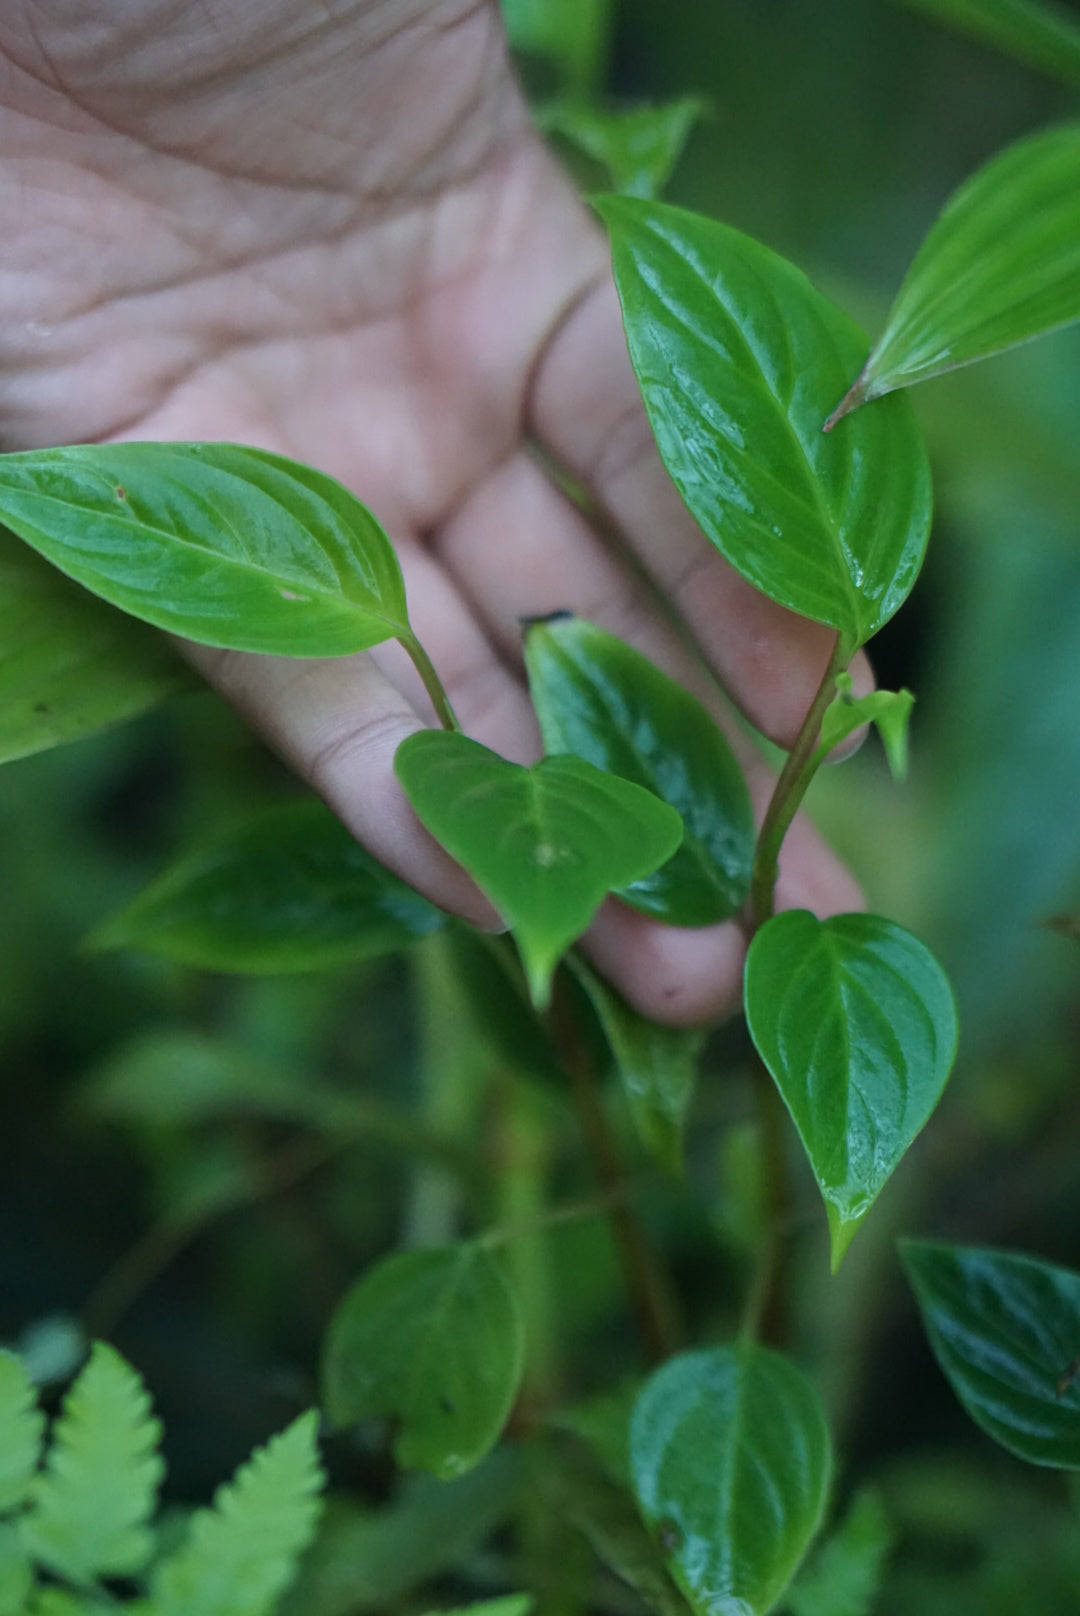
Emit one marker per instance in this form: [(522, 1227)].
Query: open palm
[(329, 230)]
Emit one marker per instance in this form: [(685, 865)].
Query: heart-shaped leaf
[(890, 710), (1001, 264), (434, 1340), (1043, 35), (855, 1020), (70, 665), (288, 890), (546, 843), (657, 1066), (731, 1461), (603, 701), (225, 545), (1006, 1331), (639, 146), (739, 361)]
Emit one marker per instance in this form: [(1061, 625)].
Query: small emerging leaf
[(239, 1556), (224, 545), (70, 665), (731, 1461), (657, 1066), (91, 1505), (845, 1576), (287, 890), (639, 146), (546, 844), (21, 1429), (1040, 32), (739, 360), (433, 1339), (1000, 265), (1006, 1331), (855, 1020), (890, 710), (603, 701)]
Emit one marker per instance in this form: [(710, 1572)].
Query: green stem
[(802, 764), (432, 683)]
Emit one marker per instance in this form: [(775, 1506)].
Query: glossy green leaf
[(639, 146), (1039, 32), (433, 1339), (890, 710), (546, 843), (855, 1020), (657, 1066), (287, 890), (845, 1576), (1006, 1331), (1000, 265), (91, 1504), (69, 664), (21, 1428), (16, 1573), (603, 701), (731, 1461), (739, 361), (222, 544)]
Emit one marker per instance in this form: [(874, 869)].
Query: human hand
[(332, 232)]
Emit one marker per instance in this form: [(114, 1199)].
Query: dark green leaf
[(1001, 264), (1006, 1331), (603, 701), (69, 665), (731, 1460), (1039, 32), (225, 545), (845, 1576), (21, 1428), (657, 1066), (639, 146), (433, 1339), (855, 1020), (739, 361), (546, 844), (287, 890), (890, 710)]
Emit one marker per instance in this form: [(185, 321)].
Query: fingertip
[(680, 977)]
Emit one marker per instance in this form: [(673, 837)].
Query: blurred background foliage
[(197, 1166)]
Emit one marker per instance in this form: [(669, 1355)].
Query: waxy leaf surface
[(657, 1066), (1001, 264), (890, 710), (1040, 32), (287, 890), (603, 701), (433, 1339), (1006, 1331), (855, 1020), (222, 544), (740, 360), (546, 843), (70, 665), (731, 1460)]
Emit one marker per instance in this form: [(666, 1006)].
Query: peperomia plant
[(705, 1484)]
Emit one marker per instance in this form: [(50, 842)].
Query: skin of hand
[(329, 229)]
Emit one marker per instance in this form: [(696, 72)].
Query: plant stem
[(432, 683), (801, 766), (645, 1284)]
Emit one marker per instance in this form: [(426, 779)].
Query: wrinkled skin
[(329, 230)]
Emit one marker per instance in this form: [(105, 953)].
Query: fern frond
[(21, 1428), (240, 1555), (90, 1506)]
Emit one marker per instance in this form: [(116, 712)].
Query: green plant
[(705, 1486)]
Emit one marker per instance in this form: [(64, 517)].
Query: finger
[(585, 407)]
